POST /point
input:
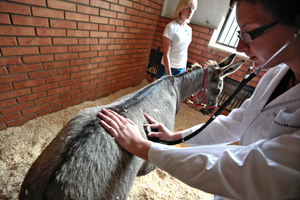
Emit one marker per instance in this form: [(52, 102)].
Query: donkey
[(85, 162)]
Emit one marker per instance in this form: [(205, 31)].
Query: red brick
[(57, 64), (118, 8), (29, 21), (79, 62), (69, 82), (98, 59), (5, 88), (126, 3), (77, 33), (79, 74), (68, 70), (79, 85), (76, 16), (58, 90), (37, 59), (88, 41), (24, 68), (64, 41), (45, 87), (98, 48), (10, 61), (69, 94), (4, 19), (31, 97), (8, 41), (87, 10), (40, 74), (87, 26), (13, 94), (124, 16), (53, 49), (49, 13), (14, 8), (48, 111), (13, 51), (7, 103), (62, 5), (34, 109), (81, 95), (87, 54), (9, 117), (106, 41), (62, 24), (116, 22), (65, 56), (98, 71), (50, 32), (88, 67), (100, 20), (20, 120), (32, 41), (99, 3), (122, 30), (106, 28), (2, 126), (28, 83), (98, 34), (31, 2), (57, 78), (78, 48), (108, 13), (46, 100), (22, 31)]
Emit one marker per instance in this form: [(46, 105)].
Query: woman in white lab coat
[(266, 164)]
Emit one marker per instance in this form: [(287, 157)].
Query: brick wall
[(56, 54)]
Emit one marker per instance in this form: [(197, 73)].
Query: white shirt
[(181, 37), (266, 165)]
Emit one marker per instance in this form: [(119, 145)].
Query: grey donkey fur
[(84, 161)]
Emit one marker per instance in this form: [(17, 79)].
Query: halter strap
[(203, 91)]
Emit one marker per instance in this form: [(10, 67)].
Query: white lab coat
[(266, 164)]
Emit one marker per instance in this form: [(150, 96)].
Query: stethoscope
[(246, 79)]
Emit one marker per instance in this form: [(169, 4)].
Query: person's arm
[(126, 133), (166, 53), (267, 169)]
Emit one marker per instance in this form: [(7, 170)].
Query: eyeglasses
[(252, 35)]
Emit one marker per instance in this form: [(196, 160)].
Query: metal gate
[(229, 86)]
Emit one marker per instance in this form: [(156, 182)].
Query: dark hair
[(287, 9)]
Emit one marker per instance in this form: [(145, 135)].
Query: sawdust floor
[(20, 146)]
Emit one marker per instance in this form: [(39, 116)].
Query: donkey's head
[(213, 83)]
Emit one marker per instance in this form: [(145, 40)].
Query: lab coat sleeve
[(267, 169), (224, 129)]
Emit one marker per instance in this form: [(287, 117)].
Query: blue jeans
[(162, 72)]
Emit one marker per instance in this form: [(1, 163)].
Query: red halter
[(203, 91)]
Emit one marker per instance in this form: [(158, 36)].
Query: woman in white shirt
[(177, 37), (266, 164)]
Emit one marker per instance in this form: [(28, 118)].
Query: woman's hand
[(162, 132), (125, 132)]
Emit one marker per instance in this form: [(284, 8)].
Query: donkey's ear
[(231, 68), (227, 61)]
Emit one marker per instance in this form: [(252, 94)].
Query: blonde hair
[(182, 4)]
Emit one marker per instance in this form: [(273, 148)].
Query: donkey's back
[(85, 162)]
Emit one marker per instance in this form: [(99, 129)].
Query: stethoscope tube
[(246, 79)]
